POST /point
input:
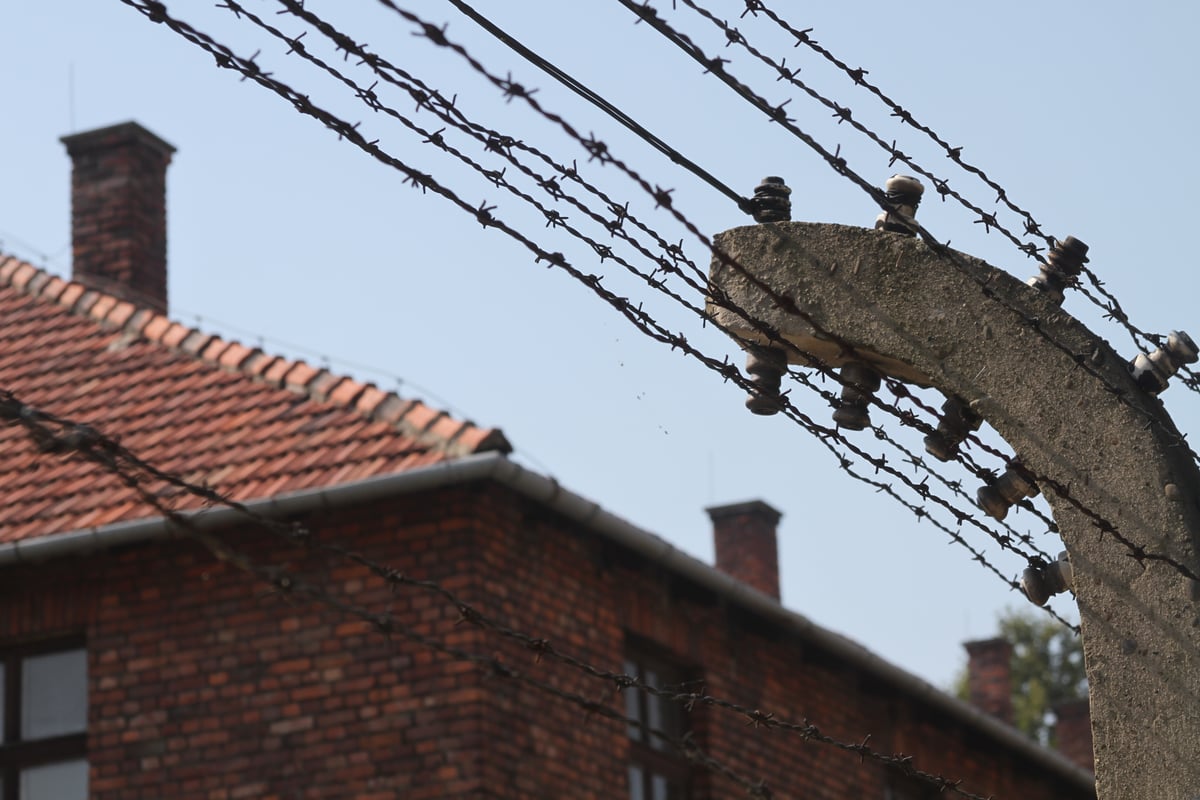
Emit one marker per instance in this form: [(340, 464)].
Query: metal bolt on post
[(772, 201), (1061, 268), (1153, 371), (997, 497), (861, 383), (904, 193), (1042, 580), (956, 424), (766, 366)]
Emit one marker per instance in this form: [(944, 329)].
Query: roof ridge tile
[(347, 392), (70, 295), (35, 284), (121, 313), (322, 383), (22, 275), (85, 302), (53, 288), (8, 267), (104, 304), (432, 427)]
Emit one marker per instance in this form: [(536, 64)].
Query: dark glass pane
[(633, 706), (636, 789), (53, 694), (654, 711), (66, 780), (659, 788)]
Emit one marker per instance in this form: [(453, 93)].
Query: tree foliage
[(1047, 669)]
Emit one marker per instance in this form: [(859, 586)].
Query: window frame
[(17, 753), (642, 658)]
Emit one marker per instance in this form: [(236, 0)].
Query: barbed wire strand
[(53, 434), (598, 150), (437, 140), (250, 70), (1004, 540), (1137, 552), (1109, 304), (646, 13)]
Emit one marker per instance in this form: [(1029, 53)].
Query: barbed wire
[(597, 149), (1135, 552), (746, 204), (423, 184), (733, 36), (53, 434), (594, 146), (343, 42), (250, 69), (483, 214), (1004, 540), (716, 67), (1109, 304)]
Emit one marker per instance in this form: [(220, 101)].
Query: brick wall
[(579, 592), (205, 685)]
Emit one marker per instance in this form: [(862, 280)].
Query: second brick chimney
[(119, 212), (1073, 732), (989, 677), (744, 539)]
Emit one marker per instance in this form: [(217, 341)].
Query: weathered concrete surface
[(893, 296)]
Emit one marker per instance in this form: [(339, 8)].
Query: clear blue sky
[(1084, 112)]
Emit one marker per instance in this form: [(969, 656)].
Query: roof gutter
[(544, 490)]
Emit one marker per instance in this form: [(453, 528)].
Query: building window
[(657, 770), (43, 738)]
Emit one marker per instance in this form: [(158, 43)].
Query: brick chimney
[(744, 535), (1073, 732), (989, 677), (119, 212)]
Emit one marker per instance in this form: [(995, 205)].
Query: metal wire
[(1109, 304), (485, 136), (777, 114), (53, 434), (250, 70)]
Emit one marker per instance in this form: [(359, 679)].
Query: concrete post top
[(1119, 476)]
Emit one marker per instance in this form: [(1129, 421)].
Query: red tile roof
[(248, 423)]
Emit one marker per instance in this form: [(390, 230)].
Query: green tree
[(1047, 669)]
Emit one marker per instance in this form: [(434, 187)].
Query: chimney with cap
[(989, 677), (1073, 732), (744, 538), (119, 212)]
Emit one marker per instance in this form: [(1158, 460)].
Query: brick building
[(137, 664)]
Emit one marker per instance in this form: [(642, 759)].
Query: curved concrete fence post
[(1068, 406)]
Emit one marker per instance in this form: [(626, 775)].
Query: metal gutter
[(548, 492)]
